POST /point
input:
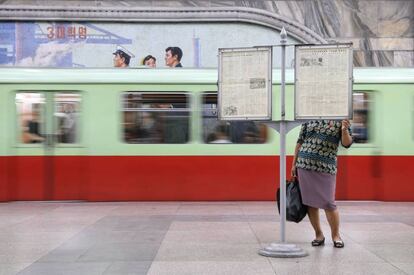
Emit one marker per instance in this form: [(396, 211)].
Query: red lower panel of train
[(120, 178)]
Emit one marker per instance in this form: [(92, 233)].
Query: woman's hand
[(293, 171), (345, 124), (346, 138)]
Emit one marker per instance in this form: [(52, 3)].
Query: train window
[(361, 111), (67, 109), (155, 117), (30, 117), (215, 131)]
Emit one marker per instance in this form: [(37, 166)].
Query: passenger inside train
[(32, 130)]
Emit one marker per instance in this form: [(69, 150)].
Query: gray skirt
[(317, 189)]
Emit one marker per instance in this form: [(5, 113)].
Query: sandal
[(318, 242), (339, 244)]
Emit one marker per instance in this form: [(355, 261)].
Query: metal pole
[(282, 249), (282, 157)]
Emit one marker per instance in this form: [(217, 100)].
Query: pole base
[(283, 250)]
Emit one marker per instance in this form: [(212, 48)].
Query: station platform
[(197, 238)]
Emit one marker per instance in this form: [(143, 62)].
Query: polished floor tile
[(6, 269), (128, 268), (408, 268), (308, 268), (197, 238), (173, 251), (261, 267), (65, 269)]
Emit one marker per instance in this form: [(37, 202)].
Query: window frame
[(371, 118), (189, 109), (45, 117)]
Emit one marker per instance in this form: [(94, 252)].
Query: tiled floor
[(197, 238)]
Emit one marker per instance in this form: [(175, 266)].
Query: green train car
[(153, 134)]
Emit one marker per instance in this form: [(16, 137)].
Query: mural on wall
[(51, 44)]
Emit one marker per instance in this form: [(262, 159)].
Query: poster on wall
[(92, 44)]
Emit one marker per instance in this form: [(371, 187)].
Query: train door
[(47, 162)]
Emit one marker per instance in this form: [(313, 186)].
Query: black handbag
[(295, 209)]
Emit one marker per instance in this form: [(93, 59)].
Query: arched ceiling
[(159, 14)]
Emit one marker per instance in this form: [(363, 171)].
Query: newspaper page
[(245, 83), (323, 82)]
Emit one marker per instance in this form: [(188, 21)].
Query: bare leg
[(333, 219), (313, 214)]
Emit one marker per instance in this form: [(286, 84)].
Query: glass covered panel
[(30, 117), (155, 117)]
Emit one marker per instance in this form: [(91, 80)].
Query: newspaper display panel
[(323, 81), (245, 83)]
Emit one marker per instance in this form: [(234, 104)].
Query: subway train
[(153, 134)]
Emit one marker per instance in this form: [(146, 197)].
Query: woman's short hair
[(148, 57)]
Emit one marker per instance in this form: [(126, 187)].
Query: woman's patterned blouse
[(320, 141)]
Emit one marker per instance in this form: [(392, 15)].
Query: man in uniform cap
[(122, 57)]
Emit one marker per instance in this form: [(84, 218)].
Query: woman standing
[(314, 164)]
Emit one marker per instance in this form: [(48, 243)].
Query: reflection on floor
[(197, 238)]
